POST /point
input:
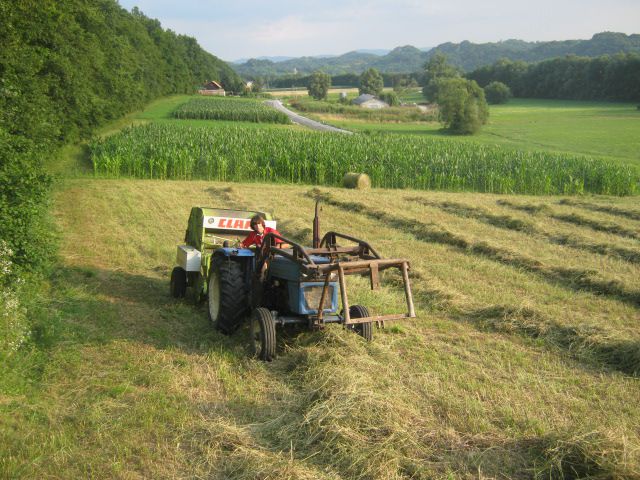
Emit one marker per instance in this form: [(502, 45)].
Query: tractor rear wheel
[(365, 330), (178, 284), (227, 299), (262, 334)]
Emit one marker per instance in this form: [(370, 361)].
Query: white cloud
[(302, 27), (289, 29)]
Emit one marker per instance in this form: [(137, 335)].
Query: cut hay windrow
[(242, 154), (235, 109)]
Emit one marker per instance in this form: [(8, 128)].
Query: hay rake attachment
[(327, 259)]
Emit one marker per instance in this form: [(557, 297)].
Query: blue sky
[(233, 30)]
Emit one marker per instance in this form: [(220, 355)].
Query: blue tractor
[(277, 286)]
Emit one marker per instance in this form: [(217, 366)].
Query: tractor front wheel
[(365, 330), (262, 334), (178, 284), (227, 299)]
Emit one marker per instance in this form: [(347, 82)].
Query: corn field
[(236, 109), (241, 154)]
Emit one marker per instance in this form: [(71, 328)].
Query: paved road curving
[(304, 121)]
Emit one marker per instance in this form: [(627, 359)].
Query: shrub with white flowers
[(14, 328)]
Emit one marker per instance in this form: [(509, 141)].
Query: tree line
[(608, 77), (65, 69), (351, 80)]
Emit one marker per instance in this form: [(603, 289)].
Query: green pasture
[(413, 95), (599, 129)]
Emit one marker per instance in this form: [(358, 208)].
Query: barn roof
[(212, 85)]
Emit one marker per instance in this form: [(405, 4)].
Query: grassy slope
[(609, 130), (523, 361)]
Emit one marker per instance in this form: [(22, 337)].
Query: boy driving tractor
[(259, 230)]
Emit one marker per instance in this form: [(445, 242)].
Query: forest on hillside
[(67, 68)]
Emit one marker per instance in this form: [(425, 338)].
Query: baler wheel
[(262, 331), (178, 284)]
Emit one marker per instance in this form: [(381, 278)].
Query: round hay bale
[(359, 181)]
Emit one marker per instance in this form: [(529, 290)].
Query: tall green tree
[(437, 67), (462, 105), (319, 85), (371, 82)]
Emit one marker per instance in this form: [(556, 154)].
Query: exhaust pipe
[(316, 228)]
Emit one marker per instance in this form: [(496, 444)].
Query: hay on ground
[(360, 181)]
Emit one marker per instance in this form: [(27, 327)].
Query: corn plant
[(235, 109), (244, 154)]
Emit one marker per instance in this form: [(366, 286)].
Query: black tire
[(178, 284), (365, 330), (262, 335), (227, 298)]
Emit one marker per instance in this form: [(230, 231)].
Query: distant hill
[(374, 51), (278, 59), (465, 55), (346, 63), (275, 59)]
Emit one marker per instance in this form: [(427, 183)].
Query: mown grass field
[(523, 361)]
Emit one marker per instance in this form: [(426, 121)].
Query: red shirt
[(255, 238)]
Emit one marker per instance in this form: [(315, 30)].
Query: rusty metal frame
[(359, 259)]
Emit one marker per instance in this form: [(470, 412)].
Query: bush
[(14, 328), (24, 198), (390, 98), (497, 92), (463, 108)]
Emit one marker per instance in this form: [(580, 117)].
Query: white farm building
[(369, 101)]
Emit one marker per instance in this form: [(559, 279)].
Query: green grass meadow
[(523, 361), (597, 129)]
